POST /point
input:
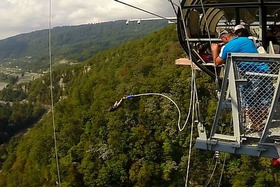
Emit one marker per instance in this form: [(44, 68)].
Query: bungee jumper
[(119, 103)]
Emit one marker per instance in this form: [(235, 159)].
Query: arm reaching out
[(215, 48)]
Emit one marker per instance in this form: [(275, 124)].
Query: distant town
[(20, 75)]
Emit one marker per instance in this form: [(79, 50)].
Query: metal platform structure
[(201, 18), (247, 119)]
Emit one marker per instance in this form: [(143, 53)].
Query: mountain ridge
[(74, 43)]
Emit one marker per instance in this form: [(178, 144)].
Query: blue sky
[(23, 16)]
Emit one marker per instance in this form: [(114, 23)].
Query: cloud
[(21, 16)]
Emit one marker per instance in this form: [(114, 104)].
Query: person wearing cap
[(232, 44), (241, 31)]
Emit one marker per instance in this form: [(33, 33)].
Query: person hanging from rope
[(230, 44)]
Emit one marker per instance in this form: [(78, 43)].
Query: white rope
[(209, 36), (193, 95), (214, 169), (51, 90), (159, 94), (179, 119), (222, 171), (190, 144), (178, 109), (192, 66), (193, 83)]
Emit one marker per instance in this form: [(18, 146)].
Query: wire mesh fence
[(256, 94)]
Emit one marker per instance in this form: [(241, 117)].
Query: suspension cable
[(173, 6), (141, 9), (51, 92)]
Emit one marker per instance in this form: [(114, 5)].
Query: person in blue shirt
[(231, 44), (255, 93)]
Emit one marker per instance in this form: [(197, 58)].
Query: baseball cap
[(225, 31), (237, 27)]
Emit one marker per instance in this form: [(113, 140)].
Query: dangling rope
[(209, 36), (194, 96), (221, 176), (194, 99), (51, 90), (214, 169)]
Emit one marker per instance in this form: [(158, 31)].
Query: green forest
[(71, 43), (137, 145)]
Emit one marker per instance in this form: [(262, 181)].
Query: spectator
[(231, 43), (236, 44), (241, 31)]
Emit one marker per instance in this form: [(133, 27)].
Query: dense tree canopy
[(138, 144)]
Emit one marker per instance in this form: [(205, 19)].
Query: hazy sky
[(23, 16)]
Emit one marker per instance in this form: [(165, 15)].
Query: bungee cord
[(118, 104), (193, 105), (193, 99), (193, 93), (51, 93)]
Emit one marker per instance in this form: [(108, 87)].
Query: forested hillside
[(138, 144), (16, 113), (70, 43)]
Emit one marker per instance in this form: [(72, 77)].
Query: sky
[(24, 16)]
